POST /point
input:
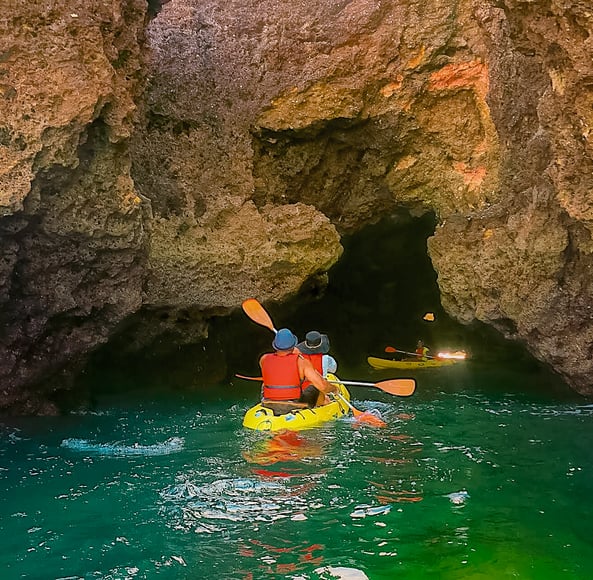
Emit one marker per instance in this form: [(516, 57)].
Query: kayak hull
[(261, 418), (382, 363)]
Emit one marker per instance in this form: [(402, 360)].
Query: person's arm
[(308, 371)]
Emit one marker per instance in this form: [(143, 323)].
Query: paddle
[(398, 387), (258, 313), (365, 416), (391, 349)]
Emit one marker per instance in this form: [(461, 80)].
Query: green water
[(171, 486)]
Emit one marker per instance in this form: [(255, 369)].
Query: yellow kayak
[(263, 419), (383, 363)]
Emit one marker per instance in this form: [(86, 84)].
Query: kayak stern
[(261, 418)]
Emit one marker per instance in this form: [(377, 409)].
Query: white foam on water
[(187, 505), (458, 497), (118, 449), (341, 573), (476, 454), (362, 511)]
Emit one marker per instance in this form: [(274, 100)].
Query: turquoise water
[(476, 476)]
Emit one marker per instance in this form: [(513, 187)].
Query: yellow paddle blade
[(257, 313)]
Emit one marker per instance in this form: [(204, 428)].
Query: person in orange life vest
[(285, 370), (314, 347)]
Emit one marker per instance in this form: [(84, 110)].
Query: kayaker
[(315, 347), (314, 343), (329, 365), (421, 351), (289, 378)]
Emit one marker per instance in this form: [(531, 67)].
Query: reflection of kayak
[(383, 363), (280, 447), (261, 418)]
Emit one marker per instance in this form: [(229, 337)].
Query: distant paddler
[(421, 351)]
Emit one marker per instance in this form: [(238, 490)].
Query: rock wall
[(211, 245), (71, 228), (268, 128), (524, 265)]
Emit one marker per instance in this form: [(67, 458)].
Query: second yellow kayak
[(383, 363)]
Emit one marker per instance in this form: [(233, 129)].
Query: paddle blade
[(390, 349), (368, 418), (399, 387), (257, 313)]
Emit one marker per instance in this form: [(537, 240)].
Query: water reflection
[(282, 557), (285, 446), (453, 486)]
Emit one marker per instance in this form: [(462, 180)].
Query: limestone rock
[(267, 129), (267, 253), (71, 231)]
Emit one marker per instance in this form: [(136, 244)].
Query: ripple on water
[(194, 507), (118, 449)]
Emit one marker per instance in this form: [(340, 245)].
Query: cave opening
[(377, 295)]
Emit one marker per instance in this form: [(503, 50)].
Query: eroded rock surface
[(267, 129), (71, 231), (524, 265)]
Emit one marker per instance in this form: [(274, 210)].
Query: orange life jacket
[(317, 361), (281, 377)]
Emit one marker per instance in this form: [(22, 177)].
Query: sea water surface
[(477, 475)]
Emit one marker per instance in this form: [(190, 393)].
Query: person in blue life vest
[(289, 378), (315, 347)]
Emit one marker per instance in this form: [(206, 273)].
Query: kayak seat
[(283, 407)]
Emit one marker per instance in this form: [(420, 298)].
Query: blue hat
[(284, 340)]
